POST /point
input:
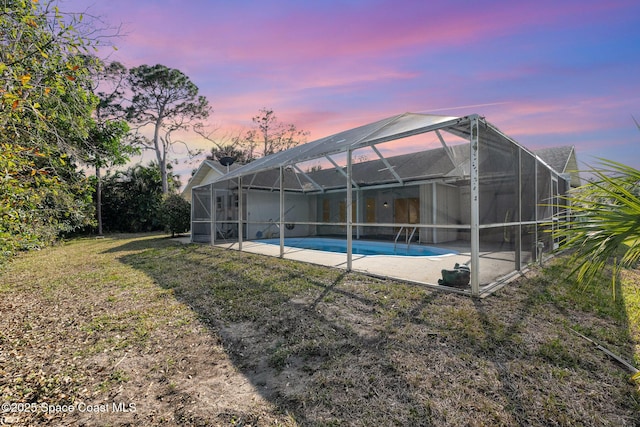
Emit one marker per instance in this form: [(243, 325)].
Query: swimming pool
[(361, 247)]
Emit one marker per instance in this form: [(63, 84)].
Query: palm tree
[(604, 228)]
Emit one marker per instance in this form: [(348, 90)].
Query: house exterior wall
[(263, 207), (439, 204), (211, 176), (386, 206)]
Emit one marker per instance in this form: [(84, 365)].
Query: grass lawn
[(142, 330)]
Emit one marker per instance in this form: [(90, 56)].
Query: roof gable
[(563, 160), (207, 172)]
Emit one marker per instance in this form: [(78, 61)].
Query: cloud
[(544, 72)]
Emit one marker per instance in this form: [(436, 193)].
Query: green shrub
[(175, 214)]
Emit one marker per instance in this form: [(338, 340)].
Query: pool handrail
[(395, 242)]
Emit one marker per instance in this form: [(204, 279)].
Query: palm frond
[(605, 219)]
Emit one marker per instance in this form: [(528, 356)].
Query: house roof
[(388, 129), (201, 173), (448, 161), (434, 163)]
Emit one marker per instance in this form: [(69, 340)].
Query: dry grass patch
[(195, 335), (82, 329)]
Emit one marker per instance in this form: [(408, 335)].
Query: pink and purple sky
[(545, 72)]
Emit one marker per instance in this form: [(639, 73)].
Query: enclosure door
[(226, 214)]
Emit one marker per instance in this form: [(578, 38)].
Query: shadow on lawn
[(280, 332), (145, 242), (330, 347)]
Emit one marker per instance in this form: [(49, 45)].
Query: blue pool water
[(361, 247)]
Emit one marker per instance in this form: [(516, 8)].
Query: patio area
[(448, 182), (496, 267)]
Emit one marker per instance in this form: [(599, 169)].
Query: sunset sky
[(546, 73)]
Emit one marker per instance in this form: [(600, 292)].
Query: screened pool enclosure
[(457, 184)]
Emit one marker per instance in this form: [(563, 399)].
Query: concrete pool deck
[(494, 265)]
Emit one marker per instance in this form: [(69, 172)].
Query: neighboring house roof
[(207, 172), (563, 160)]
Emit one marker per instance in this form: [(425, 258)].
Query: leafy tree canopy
[(46, 96), (46, 104), (267, 136), (166, 99)]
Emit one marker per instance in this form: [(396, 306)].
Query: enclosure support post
[(193, 204), (358, 212), (475, 208), (349, 212), (518, 233), (434, 212), (212, 214), (536, 242), (281, 220), (240, 213)]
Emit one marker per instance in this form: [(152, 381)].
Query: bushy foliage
[(133, 200), (175, 214), (45, 114), (36, 205)]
